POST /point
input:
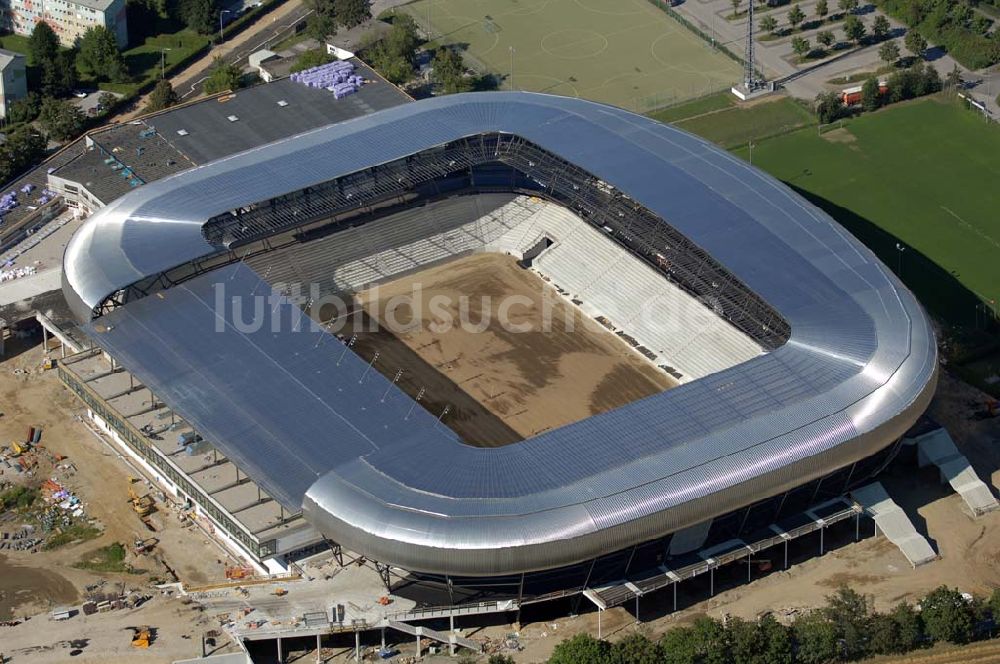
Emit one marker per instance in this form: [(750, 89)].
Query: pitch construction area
[(504, 353), (629, 53)]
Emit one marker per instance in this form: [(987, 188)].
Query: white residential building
[(13, 81), (68, 18)]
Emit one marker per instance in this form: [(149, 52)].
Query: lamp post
[(899, 259), (162, 63), (512, 51), (222, 36)]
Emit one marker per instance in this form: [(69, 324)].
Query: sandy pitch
[(533, 380)]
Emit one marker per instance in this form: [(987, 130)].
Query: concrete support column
[(3, 328), (821, 540), (711, 583), (383, 638), (451, 643), (418, 645), (675, 597), (786, 554), (281, 656), (357, 644), (319, 650), (45, 339)]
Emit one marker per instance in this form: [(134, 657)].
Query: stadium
[(739, 357)]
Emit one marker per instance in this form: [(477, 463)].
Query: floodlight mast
[(750, 80)]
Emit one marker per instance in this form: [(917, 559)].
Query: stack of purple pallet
[(337, 77), (8, 202)]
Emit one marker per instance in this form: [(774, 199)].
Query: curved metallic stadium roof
[(858, 369)]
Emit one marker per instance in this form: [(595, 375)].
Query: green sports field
[(924, 174), (623, 52)]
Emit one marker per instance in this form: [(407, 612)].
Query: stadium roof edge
[(859, 368)]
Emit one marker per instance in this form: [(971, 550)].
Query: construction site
[(625, 422)]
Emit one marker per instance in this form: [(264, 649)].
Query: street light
[(162, 66), (899, 259), (222, 36), (512, 51)]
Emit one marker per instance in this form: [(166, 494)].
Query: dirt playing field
[(501, 349)]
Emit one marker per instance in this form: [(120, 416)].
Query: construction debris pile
[(17, 273), (22, 539)]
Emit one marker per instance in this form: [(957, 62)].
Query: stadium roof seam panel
[(858, 368)]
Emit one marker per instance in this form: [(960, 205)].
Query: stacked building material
[(337, 77)]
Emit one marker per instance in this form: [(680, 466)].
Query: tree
[(826, 38), (500, 659), (679, 646), (312, 58), (25, 110), (746, 643), (636, 649), (880, 27), (320, 26), (43, 45), (99, 55), (915, 43), (800, 46), (581, 649), (816, 638), (884, 637), (163, 96), (223, 77), (854, 29), (22, 148), (954, 78), (449, 71), (795, 16), (202, 16), (888, 52), (870, 98), (777, 641), (736, 6), (106, 101), (768, 24), (711, 641), (947, 616), (846, 610), (350, 13), (847, 6), (829, 107), (910, 624), (822, 9), (394, 56), (59, 75), (61, 119)]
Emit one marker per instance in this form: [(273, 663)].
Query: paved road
[(775, 57)]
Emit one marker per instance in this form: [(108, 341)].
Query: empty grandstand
[(801, 359)]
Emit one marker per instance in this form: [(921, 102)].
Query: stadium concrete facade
[(841, 361)]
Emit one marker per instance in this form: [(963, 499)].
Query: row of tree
[(97, 55), (915, 81), (331, 15), (845, 629), (964, 32)]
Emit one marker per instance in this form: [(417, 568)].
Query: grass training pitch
[(629, 53), (922, 173)]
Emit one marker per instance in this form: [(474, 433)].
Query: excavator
[(143, 505), (140, 637)]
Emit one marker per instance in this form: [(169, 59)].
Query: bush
[(947, 615), (312, 58), (581, 649), (20, 497)]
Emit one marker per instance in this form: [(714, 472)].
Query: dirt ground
[(32, 584), (513, 345)]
